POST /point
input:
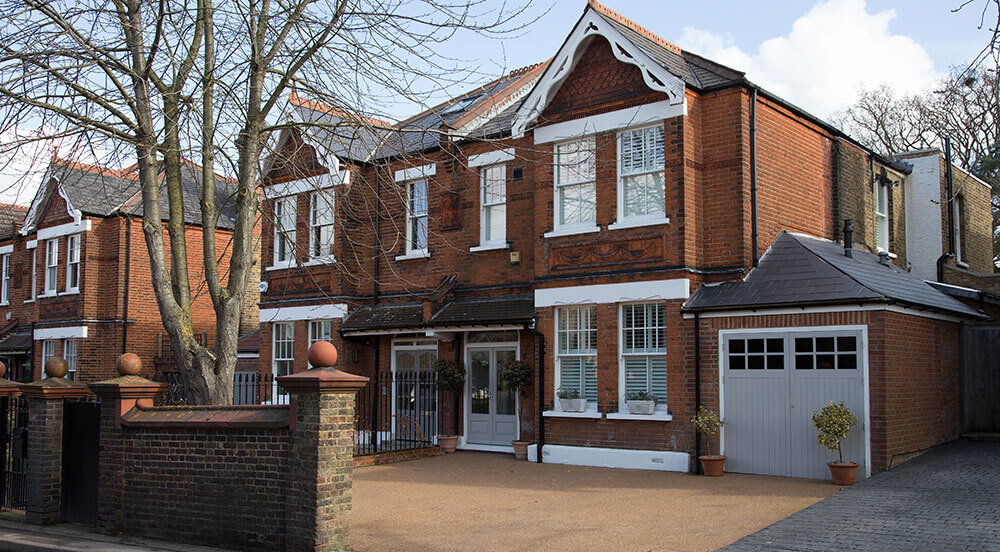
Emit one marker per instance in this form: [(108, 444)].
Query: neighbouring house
[(625, 217), (76, 273)]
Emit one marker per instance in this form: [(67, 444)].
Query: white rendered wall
[(924, 215)]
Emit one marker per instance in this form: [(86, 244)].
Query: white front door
[(492, 409)]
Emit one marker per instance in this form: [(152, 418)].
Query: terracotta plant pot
[(843, 474), (448, 442), (520, 449), (712, 465)]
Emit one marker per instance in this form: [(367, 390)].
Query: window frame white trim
[(622, 119), (71, 363), (623, 220), (411, 251), (660, 410), (957, 207), (592, 406), (332, 311), (625, 292), (51, 284), (70, 265), (416, 173), (310, 184), (46, 356), (280, 235), (314, 197), (60, 332), (483, 207), (881, 218), (34, 276), (311, 338), (495, 157), (63, 230), (5, 279), (277, 390), (558, 228)]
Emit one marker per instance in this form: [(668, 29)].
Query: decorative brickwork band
[(43, 476), (118, 396), (321, 458)]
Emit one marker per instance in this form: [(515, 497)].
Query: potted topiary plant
[(640, 402), (450, 377), (570, 400), (516, 375), (707, 422), (833, 422)]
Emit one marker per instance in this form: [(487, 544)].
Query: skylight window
[(460, 105)]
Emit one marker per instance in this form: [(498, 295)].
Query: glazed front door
[(415, 395), (492, 409)]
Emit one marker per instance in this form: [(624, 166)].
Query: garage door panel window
[(757, 353), (826, 353), (576, 353)]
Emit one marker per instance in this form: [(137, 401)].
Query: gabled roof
[(802, 271), (103, 192), (11, 217)]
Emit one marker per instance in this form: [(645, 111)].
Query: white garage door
[(772, 381)]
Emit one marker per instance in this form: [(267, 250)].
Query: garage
[(773, 379)]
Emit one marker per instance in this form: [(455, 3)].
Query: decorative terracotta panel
[(636, 250)]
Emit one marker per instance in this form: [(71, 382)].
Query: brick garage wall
[(913, 372), (218, 486)]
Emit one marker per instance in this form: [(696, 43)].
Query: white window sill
[(571, 231), (561, 414), (46, 295), (654, 417), (638, 222), (316, 261), (490, 247), (29, 300), (418, 254), (961, 264), (70, 292), (880, 250), (280, 266), (4, 304)]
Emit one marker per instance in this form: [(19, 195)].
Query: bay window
[(640, 174), (576, 351), (493, 215), (576, 186), (644, 351)]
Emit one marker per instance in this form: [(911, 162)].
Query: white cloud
[(25, 154), (832, 51)]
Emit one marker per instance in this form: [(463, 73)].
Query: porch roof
[(464, 313)]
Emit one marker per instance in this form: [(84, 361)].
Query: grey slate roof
[(466, 312), (11, 217), (798, 270)]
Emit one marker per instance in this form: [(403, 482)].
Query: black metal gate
[(81, 435), (13, 452)]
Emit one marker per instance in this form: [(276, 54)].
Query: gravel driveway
[(484, 501), (945, 499)]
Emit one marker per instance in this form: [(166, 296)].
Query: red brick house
[(565, 214), (76, 274)]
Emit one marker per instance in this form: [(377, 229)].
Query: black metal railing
[(395, 411), (13, 452)]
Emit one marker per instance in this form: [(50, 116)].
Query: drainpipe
[(951, 199), (378, 235), (754, 238), (940, 266), (540, 345), (128, 272), (697, 386), (458, 360)]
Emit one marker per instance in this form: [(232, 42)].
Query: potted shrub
[(450, 377), (640, 402), (833, 422), (707, 422), (570, 400), (516, 375)]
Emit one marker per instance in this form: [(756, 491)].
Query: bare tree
[(159, 81)]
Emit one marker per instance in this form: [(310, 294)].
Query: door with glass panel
[(415, 400), (492, 409)]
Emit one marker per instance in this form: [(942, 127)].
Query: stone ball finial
[(322, 354), (129, 364), (3, 370), (56, 367)]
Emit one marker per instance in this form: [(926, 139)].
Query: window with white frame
[(644, 350), (576, 352), (320, 330), (640, 173), (73, 263), (69, 353), (881, 216), (284, 230), (416, 216), (48, 351), (51, 266), (575, 180), (493, 215), (321, 224), (959, 254), (34, 273), (282, 350), (5, 287)]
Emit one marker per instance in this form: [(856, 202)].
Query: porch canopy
[(457, 315)]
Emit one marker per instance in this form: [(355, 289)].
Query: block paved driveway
[(945, 499)]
